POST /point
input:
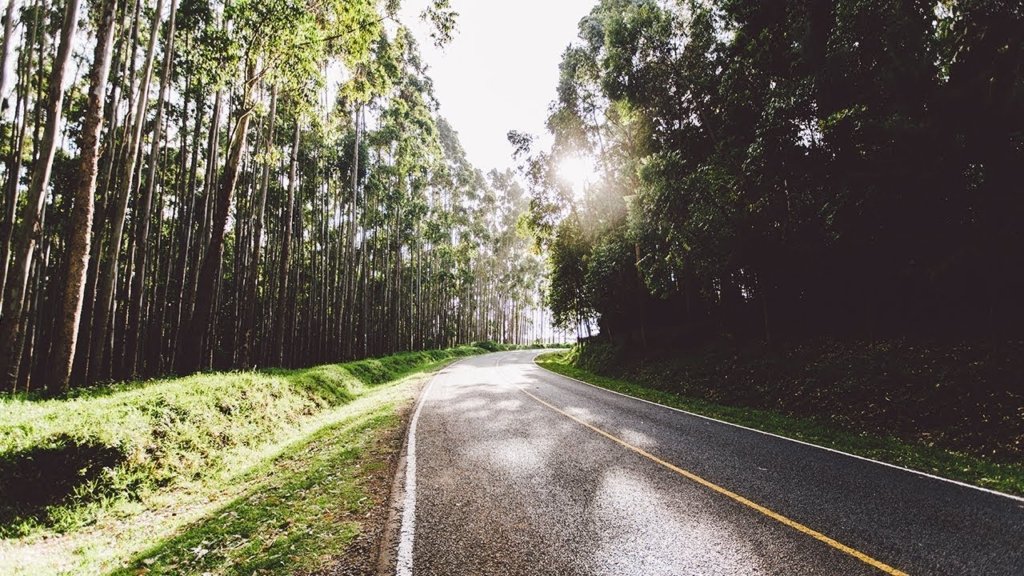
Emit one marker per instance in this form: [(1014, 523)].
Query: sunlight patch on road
[(638, 438), (732, 495), (637, 536), (516, 457)]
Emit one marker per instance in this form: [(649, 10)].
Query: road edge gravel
[(387, 551), (387, 559)]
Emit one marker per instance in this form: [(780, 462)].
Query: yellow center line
[(725, 492)]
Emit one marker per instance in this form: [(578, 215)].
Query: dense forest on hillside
[(788, 170), (234, 183)]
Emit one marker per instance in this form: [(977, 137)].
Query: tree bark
[(31, 227), (6, 46), (257, 244), (143, 213), (190, 351), (108, 276), (17, 152), (84, 205), (280, 317)]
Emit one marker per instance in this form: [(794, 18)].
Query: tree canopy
[(791, 168)]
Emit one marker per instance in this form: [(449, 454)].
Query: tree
[(790, 169), (84, 203), (182, 228), (31, 228)]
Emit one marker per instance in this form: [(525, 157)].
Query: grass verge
[(1003, 477), (300, 511), (144, 465)]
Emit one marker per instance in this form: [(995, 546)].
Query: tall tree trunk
[(17, 152), (203, 214), (190, 352), (104, 198), (14, 299), (82, 210), (280, 318), (257, 243), (186, 241), (143, 211), (350, 280), (6, 46), (108, 277)]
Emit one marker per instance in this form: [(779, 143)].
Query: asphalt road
[(520, 471)]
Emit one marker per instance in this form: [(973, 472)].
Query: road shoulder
[(1002, 479)]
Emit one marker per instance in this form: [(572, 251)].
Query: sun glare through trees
[(577, 171)]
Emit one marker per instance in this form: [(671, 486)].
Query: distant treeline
[(789, 168)]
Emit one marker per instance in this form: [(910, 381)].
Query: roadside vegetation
[(300, 511), (786, 171), (81, 474), (187, 188), (808, 209), (824, 395)]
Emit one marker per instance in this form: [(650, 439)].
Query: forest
[(787, 170), (197, 184)]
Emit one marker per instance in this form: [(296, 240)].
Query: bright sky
[(501, 70)]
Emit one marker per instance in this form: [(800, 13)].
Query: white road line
[(864, 458), (408, 532)]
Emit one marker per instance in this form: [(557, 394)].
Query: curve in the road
[(509, 472)]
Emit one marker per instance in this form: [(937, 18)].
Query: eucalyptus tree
[(118, 202), (144, 207), (81, 223), (241, 184), (12, 322), (279, 42), (5, 44), (284, 264)]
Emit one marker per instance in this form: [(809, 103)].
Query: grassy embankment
[(830, 405), (229, 473)]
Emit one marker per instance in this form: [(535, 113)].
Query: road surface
[(515, 470)]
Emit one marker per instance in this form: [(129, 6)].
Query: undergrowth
[(964, 397)]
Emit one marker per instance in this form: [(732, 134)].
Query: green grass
[(301, 513), (87, 481), (1004, 477)]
